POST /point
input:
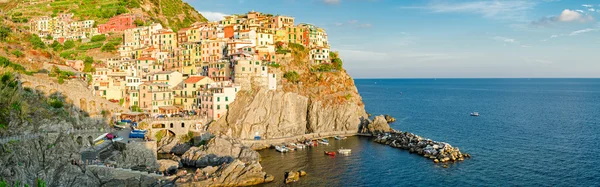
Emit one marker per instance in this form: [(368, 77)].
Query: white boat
[(100, 137), (339, 137), (475, 114), (344, 151), (282, 149), (300, 146), (324, 143)]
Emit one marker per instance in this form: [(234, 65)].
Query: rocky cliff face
[(273, 114)]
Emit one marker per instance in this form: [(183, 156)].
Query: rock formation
[(436, 151), (272, 114), (223, 162), (377, 126)]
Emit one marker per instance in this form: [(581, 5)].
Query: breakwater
[(436, 151)]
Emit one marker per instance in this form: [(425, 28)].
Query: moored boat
[(324, 143), (282, 149), (300, 146), (475, 114), (344, 151), (339, 137), (330, 153)]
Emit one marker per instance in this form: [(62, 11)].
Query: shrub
[(275, 65), (18, 53), (138, 22), (98, 38), (90, 46), (292, 76), (324, 68), (55, 103), (109, 47), (337, 63), (68, 54), (61, 80), (56, 46), (36, 41), (4, 33), (69, 44)]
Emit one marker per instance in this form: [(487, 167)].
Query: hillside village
[(196, 70)]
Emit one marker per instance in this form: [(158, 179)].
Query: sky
[(446, 38)]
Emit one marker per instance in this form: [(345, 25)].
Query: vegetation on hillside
[(171, 13)]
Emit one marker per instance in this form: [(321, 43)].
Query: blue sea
[(530, 132)]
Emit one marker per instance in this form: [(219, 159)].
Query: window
[(218, 107), (243, 68), (227, 107), (182, 125), (218, 99), (226, 98)]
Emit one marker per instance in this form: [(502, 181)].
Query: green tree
[(36, 41), (69, 44), (56, 46), (109, 47)]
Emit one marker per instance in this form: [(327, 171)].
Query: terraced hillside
[(171, 13)]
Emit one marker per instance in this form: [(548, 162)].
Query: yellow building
[(186, 93)]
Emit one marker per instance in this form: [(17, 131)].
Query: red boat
[(330, 153)]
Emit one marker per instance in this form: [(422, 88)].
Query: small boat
[(344, 151), (291, 147), (324, 143), (330, 153), (300, 146), (282, 149), (475, 114), (339, 137)]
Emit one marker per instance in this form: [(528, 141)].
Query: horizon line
[(477, 78)]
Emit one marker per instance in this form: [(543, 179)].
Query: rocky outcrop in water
[(377, 126), (236, 173), (293, 176), (436, 151), (223, 162), (272, 114)]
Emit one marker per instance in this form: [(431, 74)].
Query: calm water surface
[(530, 132)]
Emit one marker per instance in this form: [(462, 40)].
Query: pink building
[(76, 64), (118, 23)]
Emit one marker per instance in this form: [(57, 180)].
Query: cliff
[(315, 102)]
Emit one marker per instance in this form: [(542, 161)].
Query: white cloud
[(573, 16), (353, 21), (338, 24), (514, 9), (588, 6), (591, 9), (213, 16), (565, 16), (332, 2), (505, 39), (578, 32)]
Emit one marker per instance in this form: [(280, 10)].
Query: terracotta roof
[(146, 58), (194, 79)]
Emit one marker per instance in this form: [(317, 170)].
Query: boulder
[(166, 164), (389, 118), (379, 125), (302, 173), (291, 176)]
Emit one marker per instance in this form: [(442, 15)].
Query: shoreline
[(267, 143)]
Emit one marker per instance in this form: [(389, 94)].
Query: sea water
[(530, 132)]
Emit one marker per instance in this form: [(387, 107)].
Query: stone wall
[(75, 91)]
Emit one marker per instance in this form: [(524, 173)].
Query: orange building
[(228, 31)]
